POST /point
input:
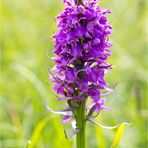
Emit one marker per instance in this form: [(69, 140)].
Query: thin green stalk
[(80, 120)]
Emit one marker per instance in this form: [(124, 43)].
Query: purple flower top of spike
[(82, 47)]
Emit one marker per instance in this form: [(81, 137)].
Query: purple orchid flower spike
[(82, 47)]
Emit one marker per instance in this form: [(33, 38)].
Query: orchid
[(82, 47)]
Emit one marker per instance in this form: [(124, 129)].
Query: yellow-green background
[(25, 58)]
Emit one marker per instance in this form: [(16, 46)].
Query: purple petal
[(66, 118)]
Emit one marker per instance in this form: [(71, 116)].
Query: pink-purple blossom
[(82, 47)]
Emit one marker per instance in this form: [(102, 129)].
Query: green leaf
[(37, 132), (119, 134), (103, 126), (60, 112)]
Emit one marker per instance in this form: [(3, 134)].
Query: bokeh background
[(25, 87)]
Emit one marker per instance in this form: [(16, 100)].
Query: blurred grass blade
[(37, 132), (100, 135), (12, 143), (119, 134), (24, 71), (8, 126)]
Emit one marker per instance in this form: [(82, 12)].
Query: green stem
[(80, 121)]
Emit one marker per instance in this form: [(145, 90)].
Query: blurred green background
[(25, 86)]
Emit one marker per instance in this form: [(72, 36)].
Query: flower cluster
[(82, 47)]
